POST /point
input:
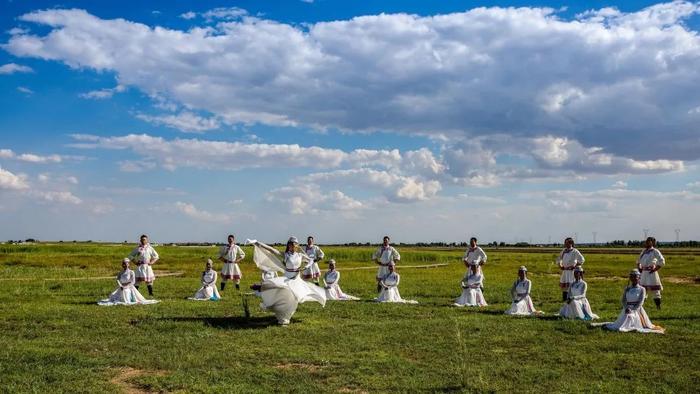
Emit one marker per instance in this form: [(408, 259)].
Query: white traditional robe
[(569, 259), (477, 256), (315, 254), (522, 303), (331, 281), (390, 289), (144, 256), (578, 306), (126, 293), (385, 255), (637, 319), (647, 259), (230, 269), (281, 295), (208, 291), (471, 291)]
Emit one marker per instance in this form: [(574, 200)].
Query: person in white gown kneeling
[(633, 317), (577, 306), (126, 293), (331, 281), (520, 293), (390, 287), (208, 291), (283, 294), (472, 282)]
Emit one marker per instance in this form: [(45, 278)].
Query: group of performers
[(292, 277)]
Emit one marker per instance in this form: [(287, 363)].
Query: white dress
[(569, 259), (637, 319), (390, 290), (230, 269), (471, 291), (385, 255), (578, 307), (208, 291), (333, 291), (144, 256), (283, 294), (522, 303), (647, 259), (126, 293), (315, 254), (475, 255)]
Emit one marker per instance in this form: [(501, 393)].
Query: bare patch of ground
[(124, 375)]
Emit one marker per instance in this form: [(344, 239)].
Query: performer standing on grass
[(577, 306), (231, 254), (383, 256), (633, 317), (520, 293), (126, 293), (331, 280), (474, 255), (145, 257), (313, 272), (649, 263), (208, 290), (568, 260), (471, 288)]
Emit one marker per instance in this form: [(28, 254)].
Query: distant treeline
[(611, 244)]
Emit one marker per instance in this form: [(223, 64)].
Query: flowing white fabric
[(126, 293), (522, 303), (208, 291), (633, 317), (577, 307), (390, 290), (281, 295), (331, 281), (471, 291)]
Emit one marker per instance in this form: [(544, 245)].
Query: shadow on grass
[(229, 323)]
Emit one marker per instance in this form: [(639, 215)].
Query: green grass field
[(54, 338)]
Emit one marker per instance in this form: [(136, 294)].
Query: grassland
[(53, 338)]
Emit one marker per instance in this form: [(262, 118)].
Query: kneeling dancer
[(520, 292), (577, 306), (390, 287), (126, 293), (633, 317), (330, 280), (208, 290), (471, 288)]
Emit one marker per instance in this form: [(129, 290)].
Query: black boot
[(136, 286), (223, 284), (150, 290), (564, 295), (316, 283), (238, 286), (379, 288), (657, 301)]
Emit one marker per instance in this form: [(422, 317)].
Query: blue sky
[(429, 121)]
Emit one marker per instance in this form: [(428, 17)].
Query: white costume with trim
[(126, 293)]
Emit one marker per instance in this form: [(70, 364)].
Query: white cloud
[(480, 72), (198, 214), (30, 157), (61, 197), (10, 181), (136, 166), (103, 93), (13, 68), (309, 199), (25, 90), (188, 15), (693, 185), (619, 185), (185, 121)]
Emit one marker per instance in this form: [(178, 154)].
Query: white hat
[(293, 240), (578, 269), (209, 261), (331, 261), (126, 260), (522, 268), (635, 272)]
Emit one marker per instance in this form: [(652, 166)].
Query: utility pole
[(678, 235), (594, 237)]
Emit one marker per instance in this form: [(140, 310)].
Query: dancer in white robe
[(231, 254), (126, 293), (283, 294), (471, 288), (383, 256), (208, 291), (633, 317), (145, 257), (649, 263), (390, 287), (474, 255), (313, 272), (331, 281), (577, 306), (568, 260), (520, 292)]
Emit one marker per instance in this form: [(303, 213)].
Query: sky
[(426, 121)]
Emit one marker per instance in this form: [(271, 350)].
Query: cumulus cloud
[(14, 68), (309, 199), (475, 73), (25, 90), (103, 93), (191, 211), (30, 157), (10, 181), (60, 197), (610, 199), (185, 121)]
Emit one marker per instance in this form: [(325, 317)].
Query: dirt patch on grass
[(303, 366), (351, 390), (124, 375)]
